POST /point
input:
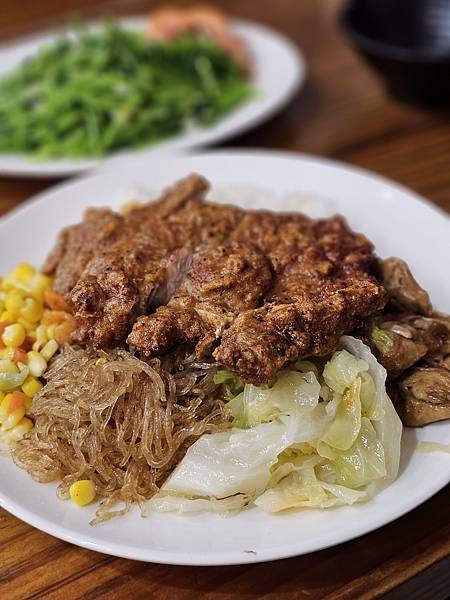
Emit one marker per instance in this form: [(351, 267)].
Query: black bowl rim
[(382, 49)]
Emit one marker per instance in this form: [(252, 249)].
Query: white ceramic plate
[(399, 222), (279, 70)]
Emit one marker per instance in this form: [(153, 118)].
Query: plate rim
[(168, 147), (229, 557)]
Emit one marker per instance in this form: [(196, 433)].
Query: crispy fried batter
[(324, 291), (316, 287), (257, 289), (222, 282), (113, 268)]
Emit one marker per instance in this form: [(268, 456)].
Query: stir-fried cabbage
[(320, 436)]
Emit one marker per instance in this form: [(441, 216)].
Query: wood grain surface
[(342, 112)]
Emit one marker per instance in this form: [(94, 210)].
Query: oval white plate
[(394, 218), (279, 70)]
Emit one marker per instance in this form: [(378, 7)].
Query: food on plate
[(94, 92), (424, 396), (117, 422), (169, 23), (263, 289), (34, 323), (221, 358), (322, 435)]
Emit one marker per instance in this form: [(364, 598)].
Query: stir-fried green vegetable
[(94, 92)]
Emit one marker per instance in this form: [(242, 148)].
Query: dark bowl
[(407, 42)]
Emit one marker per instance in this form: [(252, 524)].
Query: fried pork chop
[(253, 288), (315, 287), (112, 268)]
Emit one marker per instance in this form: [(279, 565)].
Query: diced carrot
[(27, 345), (51, 317), (3, 326), (17, 401), (64, 330), (20, 356), (56, 301)]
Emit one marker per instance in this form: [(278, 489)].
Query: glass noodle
[(119, 421)]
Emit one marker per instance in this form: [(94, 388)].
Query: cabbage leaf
[(320, 436)]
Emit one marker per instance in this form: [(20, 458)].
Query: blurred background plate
[(278, 71), (390, 215)]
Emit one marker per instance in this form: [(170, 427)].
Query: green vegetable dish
[(91, 93)]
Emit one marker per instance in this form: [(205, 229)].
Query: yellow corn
[(41, 332), (32, 310), (28, 308), (14, 417), (14, 301), (7, 353), (14, 335), (50, 332), (36, 363), (49, 349), (4, 407), (11, 436), (29, 327), (12, 409), (82, 492), (41, 337), (7, 366), (31, 386), (23, 272), (8, 316), (37, 285)]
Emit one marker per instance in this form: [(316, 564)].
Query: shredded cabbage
[(9, 381), (320, 436)]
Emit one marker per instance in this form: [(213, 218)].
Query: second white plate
[(279, 70)]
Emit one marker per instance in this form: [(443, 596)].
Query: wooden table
[(342, 112)]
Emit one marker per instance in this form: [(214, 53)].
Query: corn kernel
[(36, 363), (14, 301), (14, 335), (41, 332), (7, 366), (29, 327), (82, 492), (49, 349), (101, 361), (50, 332), (31, 386), (8, 316), (12, 409), (41, 338), (37, 286), (13, 435), (4, 407), (7, 353), (23, 272), (32, 310)]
